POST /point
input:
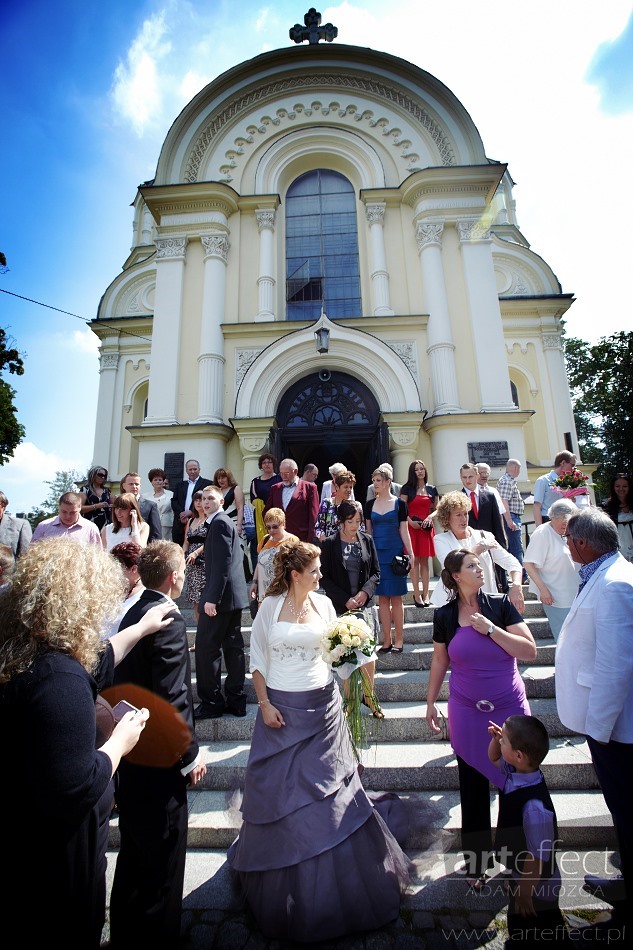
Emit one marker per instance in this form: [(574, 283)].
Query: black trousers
[(474, 794), (146, 899), (215, 637), (613, 762)]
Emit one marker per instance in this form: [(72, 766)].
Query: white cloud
[(24, 476), (191, 84), (85, 341), (137, 89)]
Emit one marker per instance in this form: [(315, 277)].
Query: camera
[(325, 375)]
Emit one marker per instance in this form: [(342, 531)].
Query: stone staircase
[(402, 755)]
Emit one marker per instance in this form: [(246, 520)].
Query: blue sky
[(90, 90)]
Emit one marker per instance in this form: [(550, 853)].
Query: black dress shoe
[(609, 889), (206, 712), (240, 713)]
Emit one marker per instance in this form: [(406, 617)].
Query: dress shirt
[(190, 488), (508, 490), (82, 530), (287, 492)]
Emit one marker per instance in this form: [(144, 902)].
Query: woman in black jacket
[(350, 571)]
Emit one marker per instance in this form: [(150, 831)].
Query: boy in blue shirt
[(527, 832)]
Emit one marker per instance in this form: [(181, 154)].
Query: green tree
[(601, 382), (11, 432), (61, 483)]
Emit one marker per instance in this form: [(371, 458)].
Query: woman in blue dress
[(386, 520)]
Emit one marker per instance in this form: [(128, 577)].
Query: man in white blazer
[(594, 683)]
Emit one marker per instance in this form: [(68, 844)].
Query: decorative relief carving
[(243, 359), (265, 220), (173, 248), (428, 233), (522, 344), (407, 352), (470, 231), (265, 92), (215, 245), (254, 443), (108, 361), (375, 213), (403, 437), (552, 341)]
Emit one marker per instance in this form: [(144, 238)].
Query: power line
[(48, 306)]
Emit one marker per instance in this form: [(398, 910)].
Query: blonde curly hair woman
[(53, 662)]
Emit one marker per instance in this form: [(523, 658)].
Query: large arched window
[(321, 248)]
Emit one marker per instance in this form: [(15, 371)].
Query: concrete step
[(404, 721), (437, 887), (435, 819), (396, 765)]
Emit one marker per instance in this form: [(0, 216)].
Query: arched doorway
[(332, 417)]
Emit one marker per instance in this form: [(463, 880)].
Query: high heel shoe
[(419, 603), (376, 711), (384, 649)]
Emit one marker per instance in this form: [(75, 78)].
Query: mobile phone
[(122, 708)]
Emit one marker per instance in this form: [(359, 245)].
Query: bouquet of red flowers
[(571, 484)]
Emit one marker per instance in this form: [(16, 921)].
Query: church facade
[(327, 266)]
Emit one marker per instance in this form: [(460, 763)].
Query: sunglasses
[(101, 475), (273, 525)]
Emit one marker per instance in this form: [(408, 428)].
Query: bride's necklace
[(299, 614)]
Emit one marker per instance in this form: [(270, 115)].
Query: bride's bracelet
[(263, 702)]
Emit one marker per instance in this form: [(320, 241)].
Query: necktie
[(473, 501)]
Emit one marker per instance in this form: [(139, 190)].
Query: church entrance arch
[(329, 417)]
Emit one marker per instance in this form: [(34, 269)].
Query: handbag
[(401, 564)]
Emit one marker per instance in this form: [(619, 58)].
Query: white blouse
[(446, 542), (288, 655)]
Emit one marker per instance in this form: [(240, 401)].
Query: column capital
[(375, 212), (552, 341), (108, 361), (172, 248), (215, 245), (265, 220), (428, 233), (473, 229)]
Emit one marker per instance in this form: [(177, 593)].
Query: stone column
[(404, 430), (375, 214), (491, 365), (211, 355), (254, 436), (165, 356), (108, 366), (441, 348), (266, 279), (562, 417)]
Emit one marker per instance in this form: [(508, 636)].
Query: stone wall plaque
[(174, 467), (494, 453)]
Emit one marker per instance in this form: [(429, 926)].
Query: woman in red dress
[(422, 500)]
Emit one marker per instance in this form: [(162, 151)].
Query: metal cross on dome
[(313, 31)]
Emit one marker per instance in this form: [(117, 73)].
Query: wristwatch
[(490, 630)]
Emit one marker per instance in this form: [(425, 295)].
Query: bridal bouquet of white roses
[(348, 645)]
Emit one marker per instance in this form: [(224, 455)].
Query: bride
[(308, 826)]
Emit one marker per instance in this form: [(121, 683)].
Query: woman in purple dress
[(481, 637)]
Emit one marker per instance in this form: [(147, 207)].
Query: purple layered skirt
[(314, 858)]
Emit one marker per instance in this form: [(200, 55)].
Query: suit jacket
[(15, 533), (335, 580), (178, 505), (161, 663), (225, 583), (488, 516), (149, 510), (594, 656), (303, 508)]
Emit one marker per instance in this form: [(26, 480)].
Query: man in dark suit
[(220, 615), (181, 502), (146, 900), (298, 498), (132, 483), (484, 513)]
